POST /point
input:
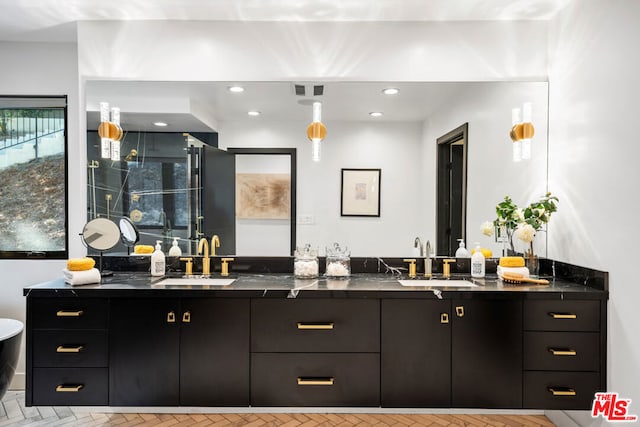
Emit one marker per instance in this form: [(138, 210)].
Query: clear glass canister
[(338, 262), (305, 263)]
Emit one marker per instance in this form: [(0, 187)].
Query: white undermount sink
[(192, 281), (440, 283)]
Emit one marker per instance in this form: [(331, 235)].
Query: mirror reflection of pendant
[(135, 215)]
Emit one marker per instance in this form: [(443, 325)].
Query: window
[(33, 176)]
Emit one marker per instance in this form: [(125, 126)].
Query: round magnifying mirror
[(128, 233), (101, 234)]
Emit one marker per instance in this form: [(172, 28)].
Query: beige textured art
[(263, 196)]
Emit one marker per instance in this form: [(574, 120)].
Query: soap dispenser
[(477, 262), (462, 252), (157, 260), (175, 249)]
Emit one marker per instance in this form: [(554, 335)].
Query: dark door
[(451, 190), (144, 352), (486, 353), (416, 353), (218, 169), (214, 352)]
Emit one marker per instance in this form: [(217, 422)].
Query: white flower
[(525, 232), (487, 228)]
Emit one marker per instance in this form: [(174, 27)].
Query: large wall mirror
[(401, 142)]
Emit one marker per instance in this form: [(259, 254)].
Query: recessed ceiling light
[(236, 89), (254, 113), (375, 114), (391, 91), (160, 124)]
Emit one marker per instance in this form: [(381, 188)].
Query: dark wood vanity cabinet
[(170, 352), (564, 353), (444, 353), (67, 351), (315, 352)]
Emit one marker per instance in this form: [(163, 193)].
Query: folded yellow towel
[(512, 261), (143, 249), (75, 278), (80, 264)]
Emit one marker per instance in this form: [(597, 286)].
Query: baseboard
[(18, 382), (561, 419)]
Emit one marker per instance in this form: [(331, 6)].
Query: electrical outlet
[(306, 219)]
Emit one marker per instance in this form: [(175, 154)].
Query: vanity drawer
[(78, 348), (558, 315), (329, 379), (315, 325), (69, 313), (560, 390), (70, 386), (562, 351)]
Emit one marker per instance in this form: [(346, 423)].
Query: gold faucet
[(446, 268), (215, 243), (205, 259), (412, 267)]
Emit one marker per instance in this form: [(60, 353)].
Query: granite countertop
[(365, 285)]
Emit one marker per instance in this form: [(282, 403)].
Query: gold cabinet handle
[(186, 317), (444, 317), (65, 313), (562, 391), (171, 317), (316, 380), (62, 388), (568, 352), (315, 325), (460, 311), (563, 315), (63, 349)]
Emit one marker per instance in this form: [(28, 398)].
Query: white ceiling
[(54, 20)]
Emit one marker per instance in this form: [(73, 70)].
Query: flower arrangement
[(521, 223)]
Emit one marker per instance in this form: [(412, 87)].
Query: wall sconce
[(110, 132), (521, 132), (316, 131)]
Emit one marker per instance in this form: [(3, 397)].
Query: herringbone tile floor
[(13, 413)]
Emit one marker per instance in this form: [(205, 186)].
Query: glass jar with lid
[(305, 263), (338, 262)]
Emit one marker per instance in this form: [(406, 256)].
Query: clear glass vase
[(531, 261)]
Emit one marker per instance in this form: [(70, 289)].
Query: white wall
[(44, 69), (392, 147), (263, 51), (593, 166)]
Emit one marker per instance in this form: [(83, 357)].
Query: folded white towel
[(86, 277), (520, 270)]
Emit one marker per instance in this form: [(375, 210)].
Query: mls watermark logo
[(612, 408)]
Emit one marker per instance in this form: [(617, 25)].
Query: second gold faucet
[(204, 244)]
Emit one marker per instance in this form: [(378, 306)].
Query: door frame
[(451, 137), (278, 151)]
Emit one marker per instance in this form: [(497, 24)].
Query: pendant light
[(316, 131)]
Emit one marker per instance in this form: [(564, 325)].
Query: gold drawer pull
[(568, 352), (69, 388), (63, 349), (562, 391), (316, 325), (186, 317), (444, 317), (171, 317), (460, 311), (316, 380), (563, 315), (64, 313)]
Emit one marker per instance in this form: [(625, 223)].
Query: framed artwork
[(360, 192), (263, 196)]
